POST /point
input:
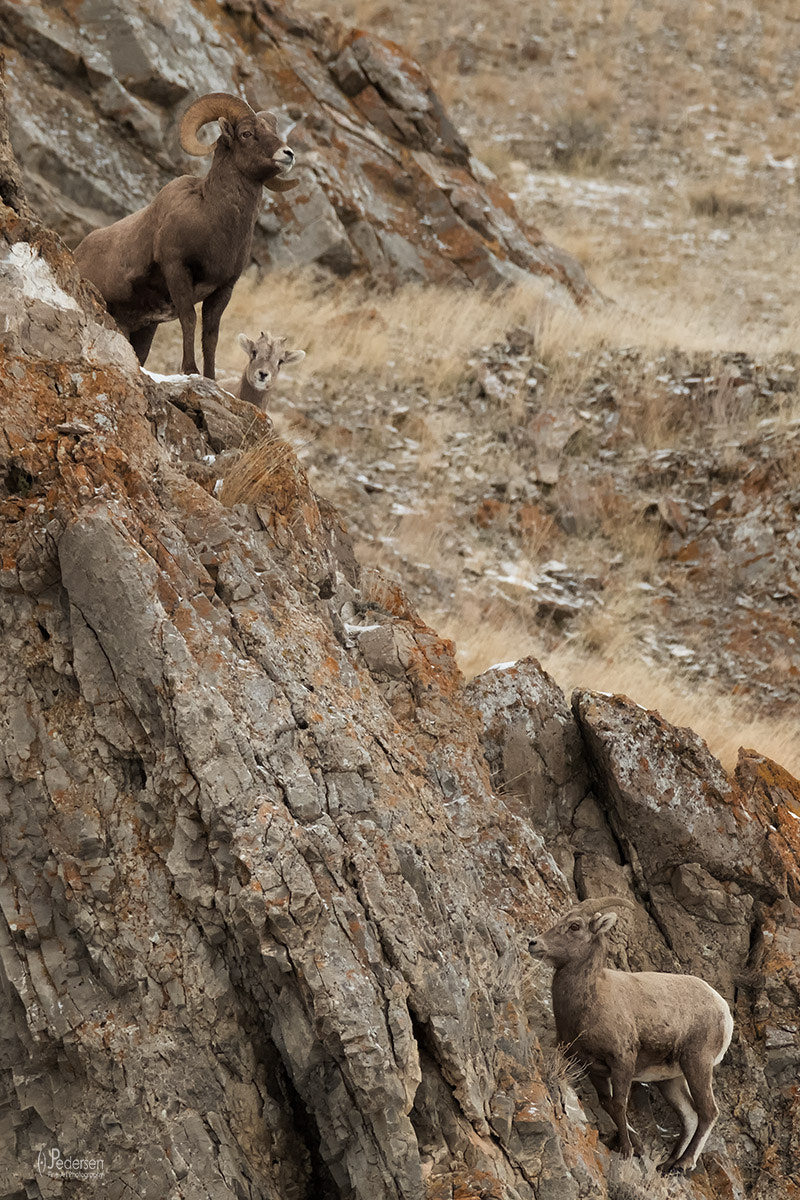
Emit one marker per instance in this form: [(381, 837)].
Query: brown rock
[(386, 184)]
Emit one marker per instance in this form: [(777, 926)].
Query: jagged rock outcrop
[(387, 186), (267, 869), (713, 864), (255, 885)]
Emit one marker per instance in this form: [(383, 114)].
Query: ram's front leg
[(178, 279), (213, 308)]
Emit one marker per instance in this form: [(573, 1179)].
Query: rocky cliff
[(267, 868), (387, 185)]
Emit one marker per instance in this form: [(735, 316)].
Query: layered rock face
[(268, 870), (387, 186)]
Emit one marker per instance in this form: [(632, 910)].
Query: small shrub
[(561, 1069), (577, 140), (247, 480)]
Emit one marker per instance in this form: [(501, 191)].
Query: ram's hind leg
[(677, 1095)]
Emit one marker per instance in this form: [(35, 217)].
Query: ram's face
[(572, 938), (259, 152)]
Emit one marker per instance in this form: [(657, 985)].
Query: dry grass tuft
[(638, 1179), (248, 479), (560, 1069), (578, 141), (724, 200)]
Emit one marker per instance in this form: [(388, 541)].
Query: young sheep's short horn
[(595, 904)]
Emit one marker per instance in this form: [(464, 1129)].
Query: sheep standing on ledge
[(645, 1026), (192, 242), (264, 360)]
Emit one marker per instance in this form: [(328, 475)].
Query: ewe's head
[(265, 359), (576, 935), (250, 137)]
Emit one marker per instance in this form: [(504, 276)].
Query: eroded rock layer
[(387, 186), (267, 869)]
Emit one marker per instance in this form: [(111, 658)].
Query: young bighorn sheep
[(627, 1026), (264, 360), (192, 242)]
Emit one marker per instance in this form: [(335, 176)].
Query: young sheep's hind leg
[(676, 1093), (699, 1077)]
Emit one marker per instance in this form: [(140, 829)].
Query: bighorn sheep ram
[(192, 242), (264, 360), (627, 1026)]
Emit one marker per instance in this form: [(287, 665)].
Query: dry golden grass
[(724, 721), (427, 334), (560, 1069), (606, 660), (725, 199), (416, 333), (248, 479)]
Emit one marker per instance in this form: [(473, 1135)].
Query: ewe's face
[(265, 359), (571, 939), (259, 153)]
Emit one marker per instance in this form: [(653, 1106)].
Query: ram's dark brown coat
[(192, 242)]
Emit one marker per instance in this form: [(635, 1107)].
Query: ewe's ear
[(245, 343), (226, 131), (602, 922), (293, 356)]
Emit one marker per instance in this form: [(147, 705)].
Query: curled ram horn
[(210, 108)]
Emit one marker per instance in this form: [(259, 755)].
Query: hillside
[(269, 864)]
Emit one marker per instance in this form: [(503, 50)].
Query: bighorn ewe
[(264, 360), (644, 1026), (192, 241)]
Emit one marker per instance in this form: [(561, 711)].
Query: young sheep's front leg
[(213, 308), (178, 279), (617, 1107), (602, 1085)]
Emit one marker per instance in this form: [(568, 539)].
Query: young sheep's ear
[(602, 922), (226, 132), (293, 356), (245, 343)]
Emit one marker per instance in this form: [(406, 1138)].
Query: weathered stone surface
[(259, 935), (535, 753), (387, 186), (641, 809), (266, 871)]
